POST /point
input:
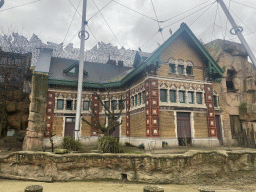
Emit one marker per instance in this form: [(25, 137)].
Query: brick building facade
[(169, 95)]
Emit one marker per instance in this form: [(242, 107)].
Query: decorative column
[(49, 113), (211, 121), (96, 106), (128, 99), (152, 108)]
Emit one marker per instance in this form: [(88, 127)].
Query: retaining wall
[(45, 166)]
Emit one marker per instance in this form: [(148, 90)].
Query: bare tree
[(112, 115)]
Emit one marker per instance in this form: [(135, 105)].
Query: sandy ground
[(19, 186)]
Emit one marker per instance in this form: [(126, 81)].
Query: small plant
[(141, 146), (71, 144), (127, 144), (109, 144), (164, 144)]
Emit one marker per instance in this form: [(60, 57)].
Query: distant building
[(171, 95)]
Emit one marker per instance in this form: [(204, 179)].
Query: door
[(219, 130), (70, 127), (184, 129)]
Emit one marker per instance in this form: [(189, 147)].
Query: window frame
[(172, 68), (191, 70), (192, 97), (58, 108), (215, 100), (182, 67), (114, 104), (139, 95), (71, 107), (165, 95), (184, 98), (175, 99), (201, 97), (84, 109)]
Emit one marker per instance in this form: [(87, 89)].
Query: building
[(171, 95)]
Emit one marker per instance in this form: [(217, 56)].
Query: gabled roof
[(154, 58)]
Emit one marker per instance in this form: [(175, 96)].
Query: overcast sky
[(50, 20)]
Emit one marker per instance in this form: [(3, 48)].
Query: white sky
[(50, 20)]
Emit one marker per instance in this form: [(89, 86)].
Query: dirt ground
[(110, 186)]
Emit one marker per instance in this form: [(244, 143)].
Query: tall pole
[(81, 69), (238, 31)]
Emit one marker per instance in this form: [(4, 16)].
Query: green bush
[(71, 144), (127, 144), (141, 146), (109, 144)]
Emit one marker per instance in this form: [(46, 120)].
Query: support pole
[(238, 31), (80, 76)]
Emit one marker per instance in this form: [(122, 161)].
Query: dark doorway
[(219, 130), (70, 127), (184, 129)]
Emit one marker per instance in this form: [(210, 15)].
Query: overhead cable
[(202, 14), (214, 21), (106, 23), (244, 4), (100, 10), (184, 12), (92, 33), (189, 15), (135, 11), (160, 30), (149, 39), (19, 5), (227, 20)]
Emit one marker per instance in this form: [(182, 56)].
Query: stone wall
[(149, 168), (167, 126), (201, 128), (138, 124)]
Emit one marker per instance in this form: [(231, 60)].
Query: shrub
[(127, 144), (141, 146), (71, 144), (109, 144)]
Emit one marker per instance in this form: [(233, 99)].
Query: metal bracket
[(86, 35), (238, 28)]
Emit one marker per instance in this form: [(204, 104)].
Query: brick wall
[(200, 125), (123, 126), (179, 49), (138, 125), (86, 129), (58, 126), (167, 126)]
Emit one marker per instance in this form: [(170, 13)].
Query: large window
[(180, 69), (139, 95), (173, 96), (121, 104), (189, 70), (75, 104), (86, 105), (182, 96), (69, 104), (163, 95), (172, 68), (132, 101), (199, 98), (60, 104), (215, 100), (106, 103), (114, 104), (191, 97), (143, 97), (136, 100)]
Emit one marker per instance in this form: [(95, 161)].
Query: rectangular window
[(139, 98), (182, 96), (132, 101), (173, 96), (106, 103), (86, 105), (69, 105), (143, 97), (215, 100), (199, 98), (189, 70), (121, 104), (60, 104), (163, 95), (172, 68), (136, 99), (191, 97), (114, 104), (180, 69)]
